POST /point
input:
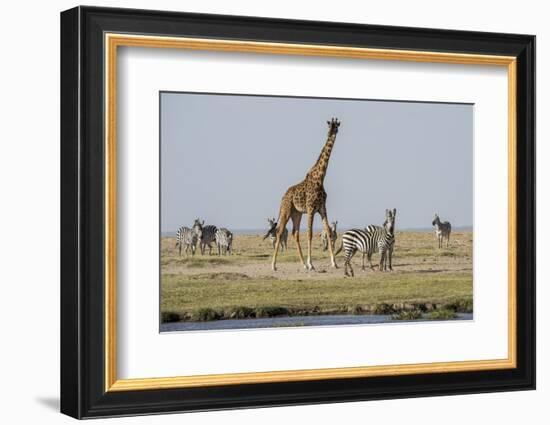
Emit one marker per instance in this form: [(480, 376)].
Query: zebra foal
[(369, 240)]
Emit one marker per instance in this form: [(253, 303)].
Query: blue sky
[(230, 158)]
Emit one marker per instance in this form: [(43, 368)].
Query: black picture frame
[(83, 392)]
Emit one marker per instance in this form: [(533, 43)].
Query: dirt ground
[(415, 252)]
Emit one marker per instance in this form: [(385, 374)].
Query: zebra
[(369, 240), (272, 233), (224, 241), (442, 230), (186, 237), (333, 236), (207, 235)]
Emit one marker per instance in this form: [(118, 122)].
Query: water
[(281, 322)]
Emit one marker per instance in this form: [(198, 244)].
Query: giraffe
[(308, 197)]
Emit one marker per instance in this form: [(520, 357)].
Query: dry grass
[(244, 281)]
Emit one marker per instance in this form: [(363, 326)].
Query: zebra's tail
[(339, 249)]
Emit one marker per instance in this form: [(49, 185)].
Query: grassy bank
[(214, 296)]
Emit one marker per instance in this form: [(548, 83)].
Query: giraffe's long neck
[(319, 169)]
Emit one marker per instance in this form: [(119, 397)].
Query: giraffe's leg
[(310, 216), (329, 233), (296, 219), (283, 219)]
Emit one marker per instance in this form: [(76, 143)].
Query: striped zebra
[(207, 235), (186, 238), (224, 241), (369, 240), (442, 230), (272, 233), (333, 236)]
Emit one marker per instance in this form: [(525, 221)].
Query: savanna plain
[(426, 282)]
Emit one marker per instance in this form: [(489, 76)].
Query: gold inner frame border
[(112, 41)]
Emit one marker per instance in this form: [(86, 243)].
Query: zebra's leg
[(390, 254), (369, 257), (328, 231), (346, 264), (310, 216), (381, 267), (283, 219), (352, 274), (363, 261)]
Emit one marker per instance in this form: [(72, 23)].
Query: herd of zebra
[(204, 236), (369, 240)]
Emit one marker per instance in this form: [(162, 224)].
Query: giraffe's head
[(333, 125), (389, 222)]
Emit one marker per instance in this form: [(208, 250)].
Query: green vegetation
[(407, 315), (462, 305), (211, 296), (441, 315)]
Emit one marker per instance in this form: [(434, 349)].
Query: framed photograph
[(261, 212)]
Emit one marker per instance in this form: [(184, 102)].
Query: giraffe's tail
[(339, 249)]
